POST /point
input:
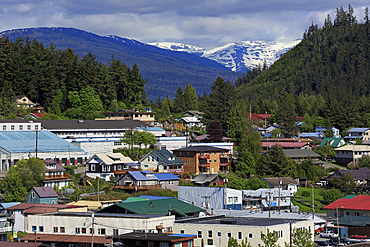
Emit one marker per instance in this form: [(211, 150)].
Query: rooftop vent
[(80, 121)]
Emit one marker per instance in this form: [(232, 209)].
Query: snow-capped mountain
[(238, 56), (179, 47)]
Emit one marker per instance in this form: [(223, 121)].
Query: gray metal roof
[(301, 153), (201, 148), (91, 124), (204, 178)]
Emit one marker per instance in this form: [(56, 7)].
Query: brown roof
[(18, 244), (24, 206), (44, 192), (284, 181), (66, 238), (40, 210), (200, 148)]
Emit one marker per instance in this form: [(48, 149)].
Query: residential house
[(217, 230), (211, 197), (285, 183), (333, 142), (144, 180), (42, 195), (170, 124), (267, 199), (6, 222), (359, 175), (204, 159), (24, 102), (171, 206), (192, 122), (35, 116), (103, 165), (354, 133), (93, 136), (351, 205), (208, 179), (300, 155), (76, 228), (161, 161), (54, 175), (350, 153), (193, 114), (146, 116), (206, 138), (266, 146), (141, 239)]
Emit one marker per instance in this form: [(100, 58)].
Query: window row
[(20, 127), (78, 230), (219, 234)]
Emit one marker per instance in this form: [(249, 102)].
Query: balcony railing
[(138, 187), (55, 177), (204, 156), (204, 164), (175, 170), (224, 156), (6, 229), (225, 164)]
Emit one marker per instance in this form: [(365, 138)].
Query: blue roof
[(151, 128), (6, 205), (25, 142), (306, 134), (138, 175), (357, 130), (166, 176), (182, 235), (155, 197)]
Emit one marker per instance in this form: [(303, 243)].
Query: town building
[(359, 175), (156, 131), (140, 239), (93, 136), (54, 175), (267, 199), (17, 145), (24, 102), (171, 143), (171, 206), (19, 125), (350, 153), (104, 165), (351, 205), (266, 146), (216, 231), (146, 116), (161, 161), (208, 179), (354, 133), (285, 183), (42, 195), (333, 142), (211, 197), (204, 159), (144, 180), (299, 155), (192, 122)]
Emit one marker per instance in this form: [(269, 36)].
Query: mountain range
[(237, 56), (165, 65)]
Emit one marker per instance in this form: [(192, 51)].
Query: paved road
[(330, 165)]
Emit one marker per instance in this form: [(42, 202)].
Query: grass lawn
[(303, 199)]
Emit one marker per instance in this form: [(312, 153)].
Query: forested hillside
[(63, 83), (164, 70), (327, 74)]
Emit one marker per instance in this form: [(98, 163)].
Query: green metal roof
[(349, 196), (135, 199), (154, 207), (354, 221), (335, 142)]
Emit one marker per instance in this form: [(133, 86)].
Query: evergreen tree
[(190, 98), (179, 104)]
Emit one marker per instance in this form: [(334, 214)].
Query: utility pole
[(92, 230), (36, 144), (269, 205), (35, 238), (313, 204), (279, 193), (132, 145), (98, 187), (338, 226), (206, 197)]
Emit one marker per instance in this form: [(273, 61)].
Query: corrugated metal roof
[(154, 197), (300, 153), (200, 148), (166, 176), (25, 142), (138, 175), (357, 130), (359, 202), (45, 192), (91, 124), (6, 205)]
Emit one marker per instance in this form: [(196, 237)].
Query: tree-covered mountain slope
[(164, 70), (332, 61)]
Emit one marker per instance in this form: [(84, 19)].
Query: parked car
[(323, 243), (328, 234)]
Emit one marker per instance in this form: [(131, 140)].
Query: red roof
[(285, 144), (24, 206), (260, 116), (359, 202), (39, 115)]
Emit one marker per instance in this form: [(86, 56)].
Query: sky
[(203, 23)]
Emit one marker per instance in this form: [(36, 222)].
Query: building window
[(200, 234), (182, 231), (41, 229), (240, 235), (28, 127), (210, 161), (210, 241), (36, 127), (20, 127), (77, 230), (215, 161), (92, 167), (101, 231), (34, 228), (250, 235), (357, 214), (210, 234), (12, 127), (117, 143), (115, 232), (148, 158), (229, 234), (4, 127), (219, 234), (62, 230)]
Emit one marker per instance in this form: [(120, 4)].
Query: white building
[(66, 223), (267, 199), (350, 153), (19, 125)]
